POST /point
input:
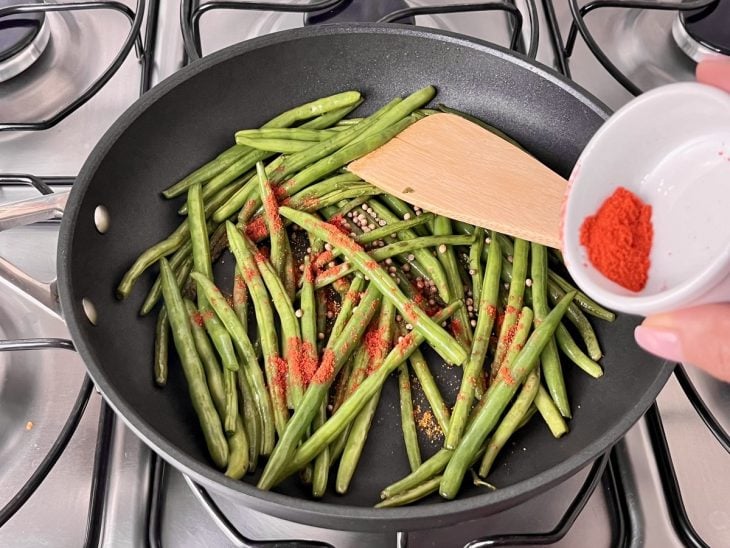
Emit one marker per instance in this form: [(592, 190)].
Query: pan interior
[(176, 128)]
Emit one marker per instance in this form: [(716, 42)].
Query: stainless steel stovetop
[(665, 484)]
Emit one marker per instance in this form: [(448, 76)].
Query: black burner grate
[(133, 39)]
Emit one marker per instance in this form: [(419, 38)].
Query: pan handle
[(24, 212), (45, 293), (33, 210)]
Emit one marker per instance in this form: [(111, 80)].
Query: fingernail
[(661, 342)]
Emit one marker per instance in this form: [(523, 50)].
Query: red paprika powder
[(618, 239)]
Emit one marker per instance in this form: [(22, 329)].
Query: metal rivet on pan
[(101, 219), (89, 310)]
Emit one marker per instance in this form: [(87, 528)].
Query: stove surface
[(664, 484)]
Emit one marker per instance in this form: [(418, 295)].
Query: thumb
[(699, 336)]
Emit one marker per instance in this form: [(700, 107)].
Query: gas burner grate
[(133, 39), (701, 408), (191, 12), (565, 49), (64, 437), (671, 489)]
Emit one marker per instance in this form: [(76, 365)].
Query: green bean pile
[(336, 286)]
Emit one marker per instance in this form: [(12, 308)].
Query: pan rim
[(285, 506)]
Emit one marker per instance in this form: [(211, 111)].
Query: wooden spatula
[(451, 166)]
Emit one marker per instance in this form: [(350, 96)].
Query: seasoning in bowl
[(618, 239)]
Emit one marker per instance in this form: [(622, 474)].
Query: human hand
[(700, 335)]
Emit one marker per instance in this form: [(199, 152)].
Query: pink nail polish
[(662, 342)]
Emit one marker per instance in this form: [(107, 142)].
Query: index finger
[(714, 72)]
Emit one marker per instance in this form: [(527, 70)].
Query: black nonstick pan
[(191, 117)]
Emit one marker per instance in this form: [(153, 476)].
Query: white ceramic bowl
[(670, 147)]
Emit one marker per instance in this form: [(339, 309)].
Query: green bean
[(308, 308), (391, 250), (320, 474), (307, 305), (343, 207), (369, 387), (514, 300), (475, 264), (438, 406), (238, 446), (214, 199), (568, 346), (149, 257), (291, 334), (354, 445), (487, 313), (357, 374), (314, 155), (337, 196), (242, 343), (177, 260), (564, 339), (581, 299), (431, 467), (430, 263), (313, 197), (192, 368), (507, 244), (405, 212), (550, 413), (442, 342), (393, 228), (417, 493), (249, 160), (265, 320), (408, 423), (401, 110), (199, 239), (238, 450), (348, 304), (528, 415), (343, 156), (281, 254), (289, 134), (282, 146), (229, 383), (162, 347), (331, 109), (324, 105), (179, 236), (252, 421), (381, 340), (349, 121), (325, 186), (202, 262), (550, 360), (207, 171), (581, 323), (240, 298), (335, 355), (509, 423), (243, 165), (207, 357), (501, 392), (460, 324)]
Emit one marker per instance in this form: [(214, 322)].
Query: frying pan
[(189, 118)]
